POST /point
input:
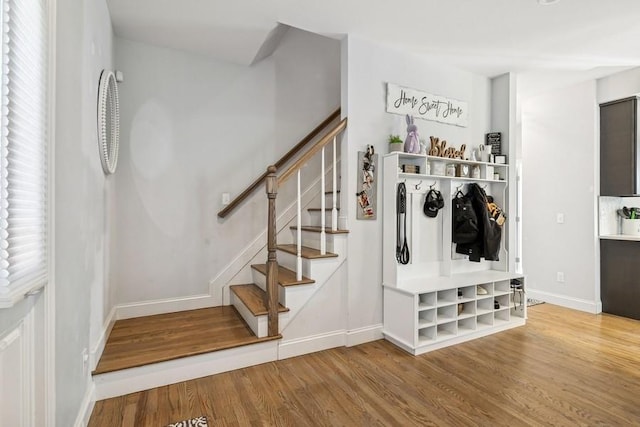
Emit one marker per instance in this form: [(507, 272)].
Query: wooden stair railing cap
[(312, 151), (283, 160)]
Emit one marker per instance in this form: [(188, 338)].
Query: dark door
[(620, 278), (618, 148)]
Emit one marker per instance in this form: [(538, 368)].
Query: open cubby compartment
[(501, 316), (468, 309), (484, 320), (503, 300), (468, 293), (426, 318), (447, 313), (490, 169), (487, 287), (467, 325), (518, 303), (413, 160), (502, 287), (426, 301), (447, 330), (447, 296), (426, 335), (484, 306)]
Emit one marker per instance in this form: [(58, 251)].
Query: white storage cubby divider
[(435, 300)]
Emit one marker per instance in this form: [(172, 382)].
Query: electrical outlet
[(560, 218), (226, 198), (560, 276), (85, 361)]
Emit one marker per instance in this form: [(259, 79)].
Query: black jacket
[(487, 243)]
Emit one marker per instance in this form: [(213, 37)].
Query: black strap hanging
[(402, 248)]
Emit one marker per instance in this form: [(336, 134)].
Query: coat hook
[(459, 187), (418, 185), (433, 185)]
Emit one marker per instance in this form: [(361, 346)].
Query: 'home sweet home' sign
[(423, 105)]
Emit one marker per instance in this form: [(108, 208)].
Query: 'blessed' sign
[(423, 105)]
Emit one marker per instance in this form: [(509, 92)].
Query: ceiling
[(487, 37)]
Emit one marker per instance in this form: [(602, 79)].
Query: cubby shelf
[(433, 301)]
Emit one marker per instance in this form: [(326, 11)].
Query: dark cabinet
[(618, 147), (620, 278)]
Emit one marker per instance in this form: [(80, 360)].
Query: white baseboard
[(174, 371), (86, 407), (98, 348), (311, 344), (594, 307), (364, 335), (169, 305)]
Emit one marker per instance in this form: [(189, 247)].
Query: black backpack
[(465, 221)]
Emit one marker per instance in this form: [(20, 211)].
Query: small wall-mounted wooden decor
[(367, 185), (423, 105)]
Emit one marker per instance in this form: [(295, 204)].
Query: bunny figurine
[(412, 143)]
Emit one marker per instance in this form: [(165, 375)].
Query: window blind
[(23, 145)]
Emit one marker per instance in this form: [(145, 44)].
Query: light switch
[(560, 218), (226, 198)]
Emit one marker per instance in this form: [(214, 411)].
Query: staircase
[(149, 352), (293, 293)]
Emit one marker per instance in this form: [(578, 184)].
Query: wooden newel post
[(272, 262)]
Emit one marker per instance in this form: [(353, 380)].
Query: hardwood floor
[(144, 340), (564, 368)]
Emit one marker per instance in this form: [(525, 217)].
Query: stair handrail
[(304, 159), (282, 161), (272, 183)]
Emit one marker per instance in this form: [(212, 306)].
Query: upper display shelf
[(445, 159), (423, 166)]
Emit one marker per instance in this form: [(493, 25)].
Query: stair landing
[(151, 339)]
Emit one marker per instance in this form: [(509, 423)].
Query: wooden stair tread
[(319, 209), (286, 277), (318, 229), (252, 296), (307, 253), (147, 340)]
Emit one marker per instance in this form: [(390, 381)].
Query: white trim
[(187, 368), (246, 255), (161, 306), (363, 335), (311, 344), (49, 291), (96, 351), (594, 307), (86, 407), (13, 294)]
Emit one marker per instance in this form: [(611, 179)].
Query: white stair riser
[(261, 281), (317, 269), (315, 218), (258, 324), (312, 239), (328, 200)]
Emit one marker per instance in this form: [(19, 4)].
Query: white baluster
[(323, 235), (334, 211), (299, 235)]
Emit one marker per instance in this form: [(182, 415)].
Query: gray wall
[(370, 66), (559, 145), (193, 128), (84, 39)]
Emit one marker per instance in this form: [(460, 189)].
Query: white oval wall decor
[(108, 121)]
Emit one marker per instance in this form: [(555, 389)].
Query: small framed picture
[(501, 159)]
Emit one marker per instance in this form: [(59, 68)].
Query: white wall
[(619, 85), (560, 175), (193, 128), (368, 69), (84, 39)]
